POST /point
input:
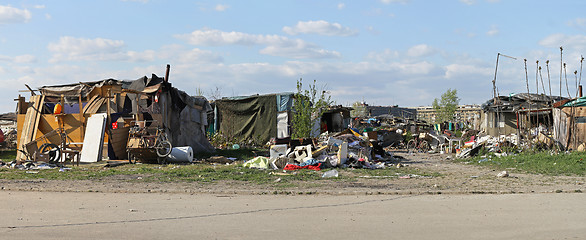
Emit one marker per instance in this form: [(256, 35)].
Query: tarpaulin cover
[(254, 117), (579, 102), (284, 101)]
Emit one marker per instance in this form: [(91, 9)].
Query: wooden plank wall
[(48, 122), (33, 114), (576, 129)]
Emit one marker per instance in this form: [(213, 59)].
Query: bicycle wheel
[(424, 146), (52, 150), (164, 148), (131, 158), (411, 145)]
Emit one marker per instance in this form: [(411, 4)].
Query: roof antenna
[(494, 94)]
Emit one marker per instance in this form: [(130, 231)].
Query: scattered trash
[(503, 174), (483, 160), (331, 173), (257, 162), (219, 159)]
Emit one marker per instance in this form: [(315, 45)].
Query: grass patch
[(546, 163), (203, 173)]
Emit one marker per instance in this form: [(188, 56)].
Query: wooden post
[(81, 120), (108, 111), (137, 114)]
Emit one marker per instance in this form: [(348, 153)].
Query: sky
[(382, 52)]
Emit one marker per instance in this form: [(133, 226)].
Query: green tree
[(359, 110), (308, 107), (445, 107)]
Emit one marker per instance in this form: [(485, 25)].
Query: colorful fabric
[(291, 167)]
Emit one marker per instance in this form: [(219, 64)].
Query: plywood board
[(31, 122), (94, 138)]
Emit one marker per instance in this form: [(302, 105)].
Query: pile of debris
[(8, 130), (346, 149)]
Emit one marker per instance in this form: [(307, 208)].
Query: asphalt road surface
[(88, 215)]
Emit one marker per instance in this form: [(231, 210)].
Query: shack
[(335, 119), (69, 107), (570, 119), (518, 114), (259, 118)]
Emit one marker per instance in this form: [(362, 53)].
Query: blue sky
[(383, 52)]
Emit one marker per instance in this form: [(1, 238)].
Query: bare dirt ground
[(453, 178)]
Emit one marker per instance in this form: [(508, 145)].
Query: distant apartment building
[(364, 110), (465, 113)]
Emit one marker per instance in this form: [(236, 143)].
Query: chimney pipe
[(167, 73)]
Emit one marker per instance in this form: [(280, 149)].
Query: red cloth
[(295, 167)]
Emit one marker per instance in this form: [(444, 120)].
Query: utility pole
[(495, 92)]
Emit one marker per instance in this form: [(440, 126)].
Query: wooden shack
[(183, 117)]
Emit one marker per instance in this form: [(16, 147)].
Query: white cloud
[(579, 23), (468, 2), (384, 56), (320, 27), (23, 69), (394, 1), (180, 55), (575, 42), (39, 6), (19, 59), (221, 7), (341, 6), (419, 68), (299, 51), (219, 38), (141, 1), (83, 46), (420, 50), (493, 31), (5, 58), (48, 16), (25, 59), (9, 14), (454, 71), (98, 49), (275, 45)]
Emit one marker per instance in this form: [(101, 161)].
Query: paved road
[(55, 215)]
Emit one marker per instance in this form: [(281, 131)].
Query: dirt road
[(58, 215), (464, 202)]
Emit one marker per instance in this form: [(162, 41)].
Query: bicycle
[(419, 144), (143, 141)]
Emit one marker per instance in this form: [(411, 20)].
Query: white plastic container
[(181, 155)]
